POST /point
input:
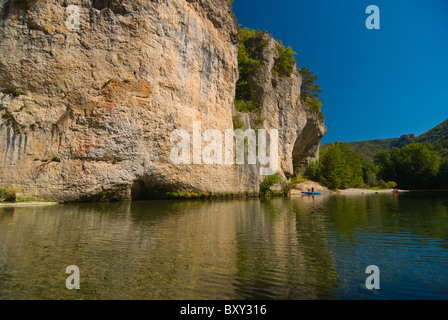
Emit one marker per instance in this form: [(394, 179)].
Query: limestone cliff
[(91, 92), (300, 128)]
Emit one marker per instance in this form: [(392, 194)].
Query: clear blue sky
[(376, 84)]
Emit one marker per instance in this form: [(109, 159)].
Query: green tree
[(267, 183), (310, 89), (370, 174), (339, 168), (443, 173), (284, 64), (416, 166)]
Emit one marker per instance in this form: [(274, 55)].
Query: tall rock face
[(300, 128), (91, 93)]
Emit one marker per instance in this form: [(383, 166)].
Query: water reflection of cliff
[(289, 247), (167, 250)]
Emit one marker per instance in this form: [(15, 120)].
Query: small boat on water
[(311, 193)]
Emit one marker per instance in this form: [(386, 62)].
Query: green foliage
[(268, 183), (248, 106), (291, 184), (12, 91), (8, 195), (316, 105), (415, 166), (55, 159), (387, 185), (237, 123), (314, 172), (420, 165), (250, 47), (370, 174), (437, 136), (443, 173), (369, 149), (285, 63), (117, 160), (339, 168), (310, 91), (259, 121), (198, 196), (183, 195), (9, 118), (309, 88)]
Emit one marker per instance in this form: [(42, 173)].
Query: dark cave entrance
[(143, 190), (306, 148)]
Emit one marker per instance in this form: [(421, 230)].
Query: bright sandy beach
[(364, 191), (308, 185)]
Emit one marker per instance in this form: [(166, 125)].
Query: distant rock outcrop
[(403, 141)]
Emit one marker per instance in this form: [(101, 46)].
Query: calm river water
[(291, 248)]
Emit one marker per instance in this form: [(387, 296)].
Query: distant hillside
[(437, 136), (368, 149)]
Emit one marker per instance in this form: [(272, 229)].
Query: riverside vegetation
[(271, 186), (8, 195), (416, 166)]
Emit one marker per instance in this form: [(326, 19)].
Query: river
[(298, 248)]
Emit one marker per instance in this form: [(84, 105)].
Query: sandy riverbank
[(308, 185), (364, 191), (27, 204)]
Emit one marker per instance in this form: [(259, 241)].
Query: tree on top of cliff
[(310, 91), (284, 64)]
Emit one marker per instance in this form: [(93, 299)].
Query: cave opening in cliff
[(145, 189), (306, 148)]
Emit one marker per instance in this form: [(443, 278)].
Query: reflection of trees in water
[(43, 241), (271, 249), (312, 233), (284, 255), (165, 250), (420, 214), (403, 234)]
